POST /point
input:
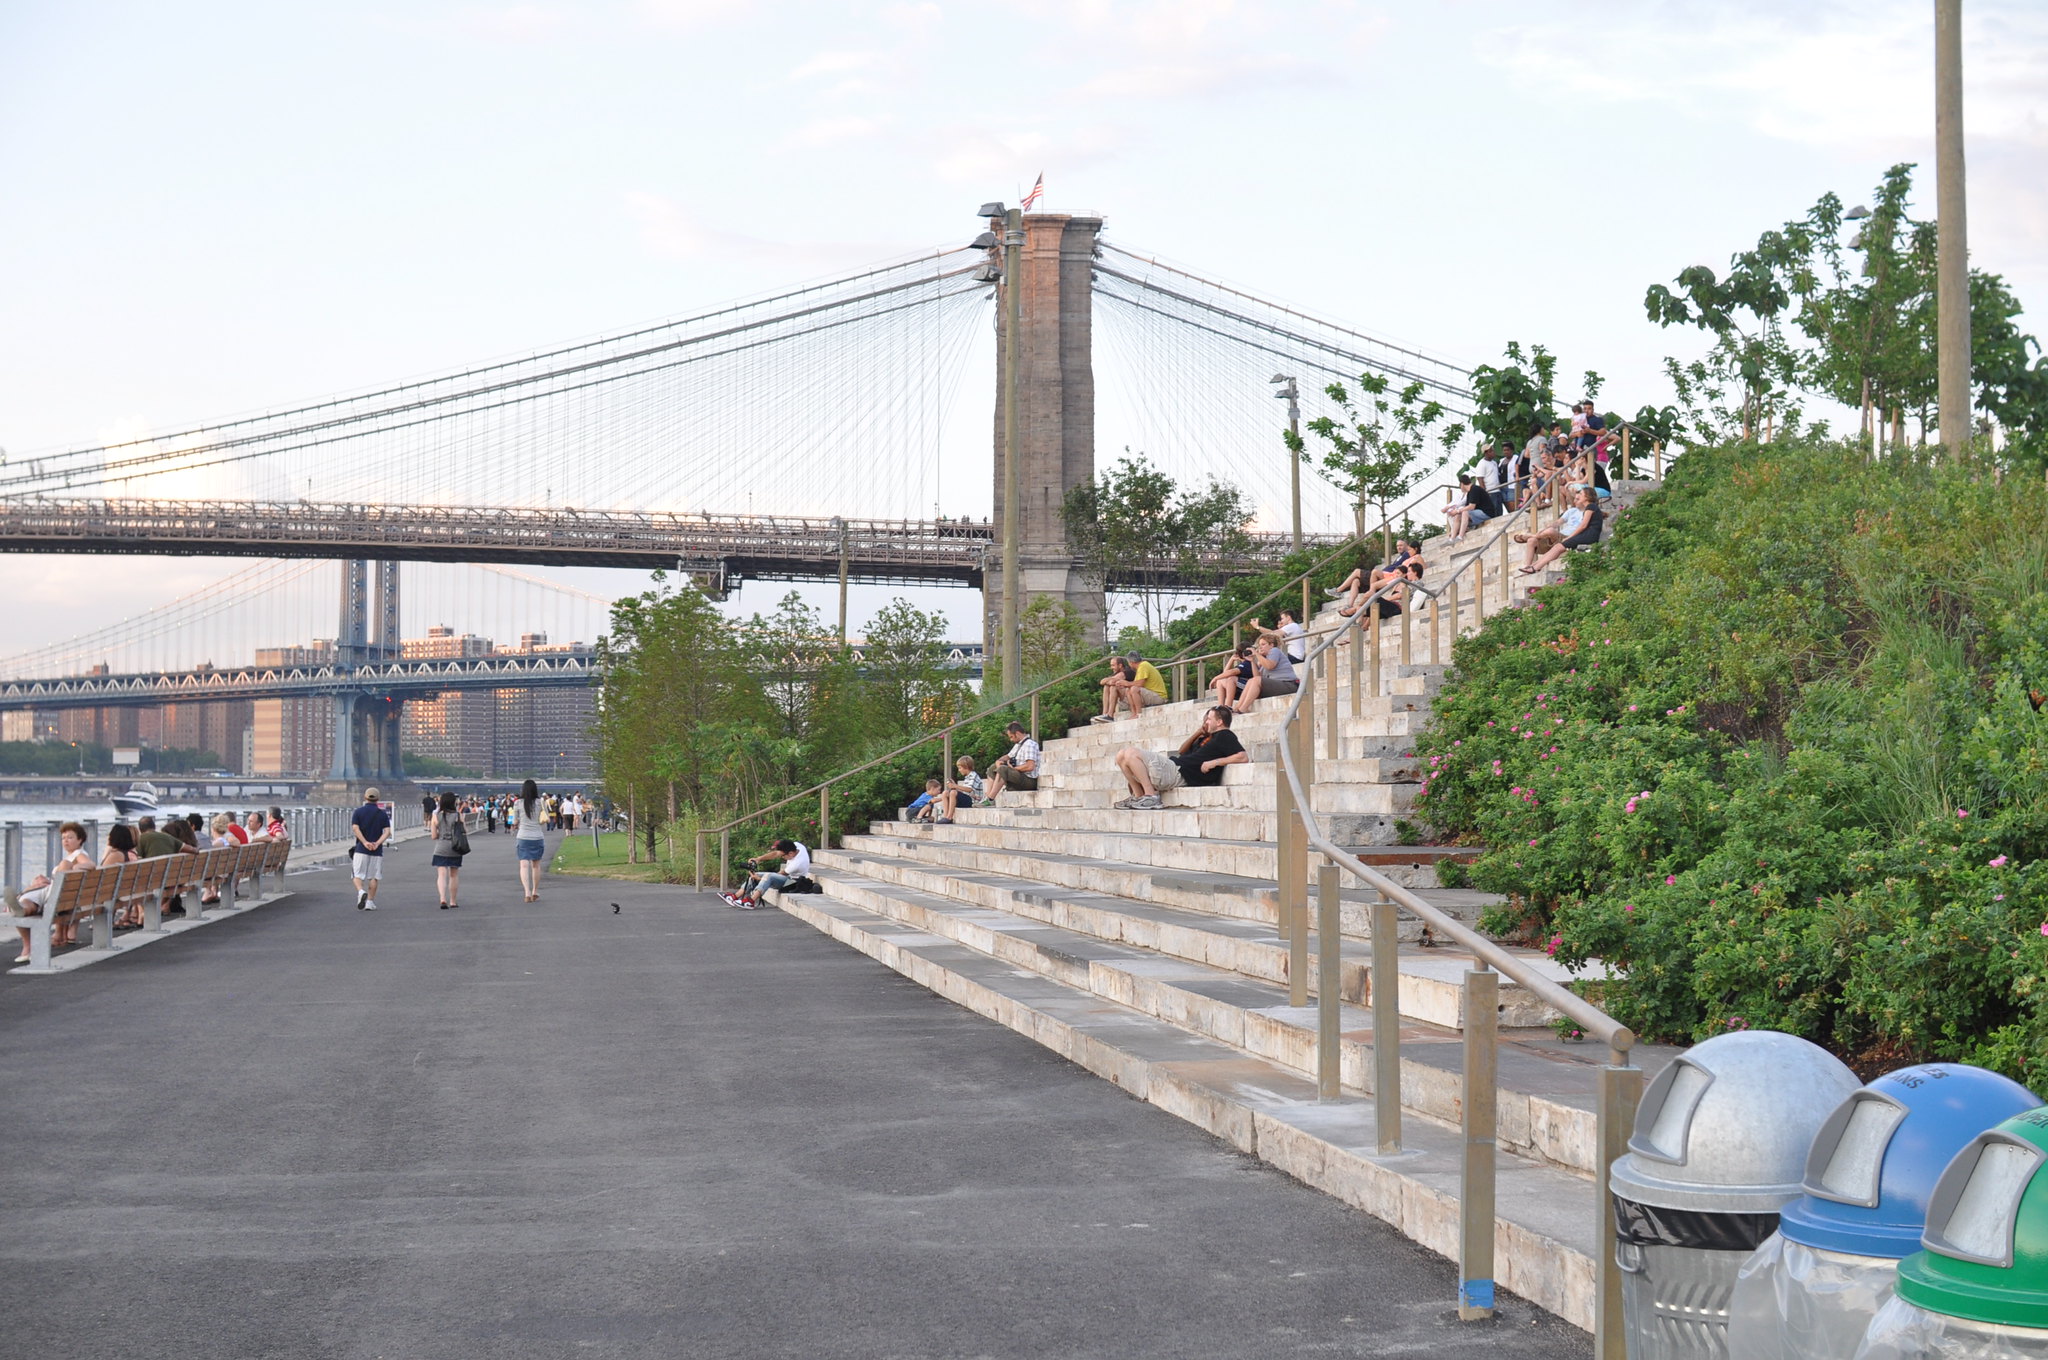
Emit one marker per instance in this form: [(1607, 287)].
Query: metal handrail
[(1299, 832)]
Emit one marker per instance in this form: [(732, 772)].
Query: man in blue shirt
[(372, 828)]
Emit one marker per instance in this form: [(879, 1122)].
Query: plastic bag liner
[(1795, 1302), (1650, 1226), (1901, 1331)]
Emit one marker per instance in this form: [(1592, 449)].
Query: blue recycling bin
[(1810, 1290)]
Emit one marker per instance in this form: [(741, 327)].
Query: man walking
[(372, 827)]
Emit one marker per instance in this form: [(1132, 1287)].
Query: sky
[(220, 207)]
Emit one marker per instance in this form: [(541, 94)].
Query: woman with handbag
[(451, 843)]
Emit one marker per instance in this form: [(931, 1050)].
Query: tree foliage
[(1134, 519), (1806, 311), (1377, 449)]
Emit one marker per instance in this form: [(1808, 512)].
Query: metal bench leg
[(153, 913)]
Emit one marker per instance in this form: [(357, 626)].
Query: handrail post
[(1386, 1026), (825, 818), (1034, 717), (1407, 649), (1507, 594), (724, 859), (1307, 605), (700, 853), (1476, 1183), (1236, 635), (1624, 453), (1373, 662), (1284, 832), (1329, 985), (1436, 618), (1657, 459), (946, 775), (1297, 869), (1330, 675), (1451, 591), (1201, 677), (1354, 642), (1305, 754), (1620, 1091)]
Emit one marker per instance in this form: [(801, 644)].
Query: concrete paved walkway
[(680, 1130)]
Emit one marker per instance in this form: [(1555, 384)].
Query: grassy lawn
[(607, 859)]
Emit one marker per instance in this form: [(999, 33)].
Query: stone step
[(1431, 978), (1338, 807), (1235, 896), (1545, 1216), (1259, 797), (1170, 724)]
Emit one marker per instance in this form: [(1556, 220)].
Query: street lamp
[(1291, 394)]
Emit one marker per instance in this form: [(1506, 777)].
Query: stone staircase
[(1143, 946)]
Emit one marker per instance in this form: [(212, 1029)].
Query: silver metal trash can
[(1719, 1148)]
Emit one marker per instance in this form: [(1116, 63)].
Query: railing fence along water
[(31, 848), (1619, 1084)]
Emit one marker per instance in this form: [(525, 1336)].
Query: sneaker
[(369, 906), (745, 906), (1125, 803), (943, 821), (1149, 801), (1103, 718), (362, 899)]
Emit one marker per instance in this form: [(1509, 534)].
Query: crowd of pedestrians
[(450, 819)]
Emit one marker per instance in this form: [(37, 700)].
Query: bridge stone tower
[(366, 726), (1055, 417)]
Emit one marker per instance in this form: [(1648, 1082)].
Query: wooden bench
[(97, 897)]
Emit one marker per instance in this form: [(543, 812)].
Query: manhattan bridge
[(810, 435)]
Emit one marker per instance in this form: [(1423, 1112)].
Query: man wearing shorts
[(372, 828), (1198, 763)]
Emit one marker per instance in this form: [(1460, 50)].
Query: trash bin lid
[(1726, 1127), (1986, 1244), (1874, 1163)]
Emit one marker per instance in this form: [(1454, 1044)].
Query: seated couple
[(1132, 683), (1578, 526), (1262, 670), (1197, 764), (940, 800), (1399, 574)]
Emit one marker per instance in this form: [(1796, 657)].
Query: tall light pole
[(1013, 321), (1952, 260), (1291, 394)]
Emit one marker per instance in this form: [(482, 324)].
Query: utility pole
[(1291, 394), (1952, 259), (1013, 320), (840, 525)]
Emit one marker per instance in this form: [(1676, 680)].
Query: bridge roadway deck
[(746, 547), (681, 1130)]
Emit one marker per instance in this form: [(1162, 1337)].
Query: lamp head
[(992, 210)]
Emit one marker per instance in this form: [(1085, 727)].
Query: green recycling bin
[(1979, 1288)]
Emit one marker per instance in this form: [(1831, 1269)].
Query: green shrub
[(1772, 755)]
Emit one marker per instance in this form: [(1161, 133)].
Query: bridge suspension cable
[(1191, 359), (795, 400)]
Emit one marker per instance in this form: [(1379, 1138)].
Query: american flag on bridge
[(1037, 190)]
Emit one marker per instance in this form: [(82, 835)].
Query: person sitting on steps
[(1291, 633), (926, 806), (1577, 526), (1233, 676), (1272, 673), (1198, 763), (964, 790), (1120, 673), (1364, 580), (1142, 688), (792, 861), (1018, 769)]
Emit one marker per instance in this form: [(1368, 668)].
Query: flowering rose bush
[(1771, 753)]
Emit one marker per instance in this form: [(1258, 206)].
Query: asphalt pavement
[(551, 1129)]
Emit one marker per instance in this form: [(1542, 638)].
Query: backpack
[(459, 841), (806, 884)]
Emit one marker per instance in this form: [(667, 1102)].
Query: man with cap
[(371, 826)]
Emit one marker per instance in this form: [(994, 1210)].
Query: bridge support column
[(344, 765), (1055, 418), (352, 634)]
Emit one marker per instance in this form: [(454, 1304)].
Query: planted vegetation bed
[(1779, 755)]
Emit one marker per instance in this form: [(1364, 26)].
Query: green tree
[(1138, 530), (1052, 635), (905, 663), (1378, 450)]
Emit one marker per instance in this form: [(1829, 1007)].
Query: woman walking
[(530, 840), (451, 843)]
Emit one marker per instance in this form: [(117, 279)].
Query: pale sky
[(218, 207)]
